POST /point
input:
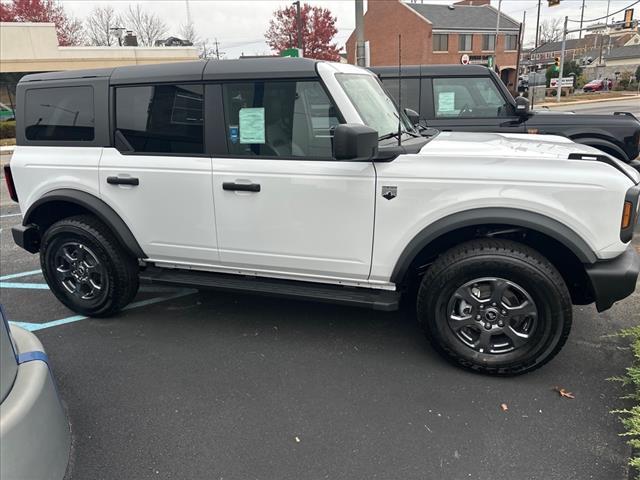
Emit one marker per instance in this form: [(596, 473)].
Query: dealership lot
[(188, 384)]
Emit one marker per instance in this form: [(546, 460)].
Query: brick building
[(438, 34)]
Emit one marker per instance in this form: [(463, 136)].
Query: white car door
[(283, 207), (158, 178)]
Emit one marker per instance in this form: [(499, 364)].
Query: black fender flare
[(496, 216), (601, 142), (94, 205)]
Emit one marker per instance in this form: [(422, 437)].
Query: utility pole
[(581, 18), (360, 54), (564, 44), (538, 25), (218, 53), (495, 45), (298, 23), (520, 35)]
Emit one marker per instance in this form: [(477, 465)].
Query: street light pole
[(564, 44), (538, 25), (360, 53), (298, 24), (581, 18), (495, 43)]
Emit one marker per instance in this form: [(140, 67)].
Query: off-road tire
[(507, 260), (119, 268)]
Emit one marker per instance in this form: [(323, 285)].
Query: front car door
[(473, 104), (158, 178), (284, 207)]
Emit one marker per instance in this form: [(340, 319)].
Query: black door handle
[(123, 181), (241, 187)]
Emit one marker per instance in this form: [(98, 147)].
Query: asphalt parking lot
[(203, 385)]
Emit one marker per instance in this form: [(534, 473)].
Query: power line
[(607, 16)]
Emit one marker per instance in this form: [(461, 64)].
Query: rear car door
[(283, 204), (158, 176), (472, 103)]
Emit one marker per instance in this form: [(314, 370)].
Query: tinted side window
[(59, 114), (410, 92), (280, 119), (468, 97), (161, 118)]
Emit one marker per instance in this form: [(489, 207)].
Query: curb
[(582, 102)]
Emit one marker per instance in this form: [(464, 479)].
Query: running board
[(384, 300)]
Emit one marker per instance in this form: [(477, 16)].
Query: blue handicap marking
[(33, 327), (20, 275)]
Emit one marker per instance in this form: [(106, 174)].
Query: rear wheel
[(495, 306), (86, 268)]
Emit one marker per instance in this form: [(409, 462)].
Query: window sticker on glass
[(233, 133), (252, 125), (446, 102)]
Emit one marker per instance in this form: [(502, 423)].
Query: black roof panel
[(246, 68), (67, 75), (430, 70), (267, 67), (159, 72)]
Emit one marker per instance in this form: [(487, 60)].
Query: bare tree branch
[(188, 32), (99, 25), (147, 26), (551, 30)]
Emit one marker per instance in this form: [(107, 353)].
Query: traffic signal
[(553, 3), (557, 60), (628, 18)]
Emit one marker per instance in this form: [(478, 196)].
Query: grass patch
[(630, 418)]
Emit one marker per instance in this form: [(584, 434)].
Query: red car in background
[(597, 86)]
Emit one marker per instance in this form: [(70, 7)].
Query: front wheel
[(86, 268), (495, 306)]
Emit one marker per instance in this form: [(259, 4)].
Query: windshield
[(373, 104)]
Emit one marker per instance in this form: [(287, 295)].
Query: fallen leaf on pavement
[(503, 407), (563, 393)]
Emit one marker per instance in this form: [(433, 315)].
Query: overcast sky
[(240, 25)]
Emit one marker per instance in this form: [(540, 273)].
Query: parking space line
[(32, 286), (11, 215), (33, 327), (19, 275)]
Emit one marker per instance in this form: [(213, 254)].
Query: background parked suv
[(473, 98)]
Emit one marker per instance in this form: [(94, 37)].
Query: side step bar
[(384, 300)]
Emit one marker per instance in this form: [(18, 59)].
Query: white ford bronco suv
[(301, 178)]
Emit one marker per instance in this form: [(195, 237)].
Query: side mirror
[(355, 142), (522, 106), (413, 116)]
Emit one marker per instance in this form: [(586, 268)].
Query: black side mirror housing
[(522, 106), (413, 116), (353, 141)]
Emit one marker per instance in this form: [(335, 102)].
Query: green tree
[(572, 67)]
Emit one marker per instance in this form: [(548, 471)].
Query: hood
[(515, 145)]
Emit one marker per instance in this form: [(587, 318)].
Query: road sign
[(565, 82), (291, 52), (464, 60)]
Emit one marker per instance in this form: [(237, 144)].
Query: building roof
[(571, 44), (464, 17), (619, 53), (616, 53), (279, 67)]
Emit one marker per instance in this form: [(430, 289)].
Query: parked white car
[(301, 178)]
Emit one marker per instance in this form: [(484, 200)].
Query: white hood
[(512, 145)]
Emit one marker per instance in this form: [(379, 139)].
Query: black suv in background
[(473, 98)]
